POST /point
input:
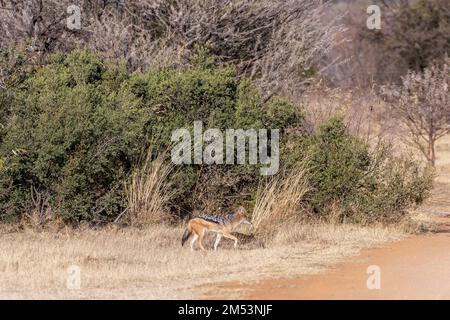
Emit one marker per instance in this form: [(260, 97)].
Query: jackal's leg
[(194, 238), (230, 236), (200, 238), (219, 236)]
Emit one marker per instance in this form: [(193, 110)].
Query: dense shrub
[(69, 140), (339, 163), (216, 97), (356, 183), (78, 125)]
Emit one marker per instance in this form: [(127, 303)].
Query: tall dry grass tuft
[(279, 201), (146, 191)]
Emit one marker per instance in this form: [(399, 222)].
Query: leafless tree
[(37, 23), (274, 42), (422, 103), (413, 34)]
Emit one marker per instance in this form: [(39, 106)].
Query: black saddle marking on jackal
[(219, 219)]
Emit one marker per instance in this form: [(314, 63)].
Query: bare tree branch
[(423, 104)]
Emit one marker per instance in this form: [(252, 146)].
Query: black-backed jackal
[(222, 225)]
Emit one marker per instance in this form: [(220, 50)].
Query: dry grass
[(147, 193), (425, 218), (151, 264), (278, 200)]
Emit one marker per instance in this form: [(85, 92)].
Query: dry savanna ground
[(149, 263)]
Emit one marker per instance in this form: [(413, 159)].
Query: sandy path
[(415, 268)]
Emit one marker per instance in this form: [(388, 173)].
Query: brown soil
[(415, 268)]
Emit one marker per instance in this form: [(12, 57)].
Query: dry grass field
[(149, 263)]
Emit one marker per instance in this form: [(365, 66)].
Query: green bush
[(339, 162), (79, 124), (394, 184), (73, 129), (216, 97), (69, 141), (361, 183)]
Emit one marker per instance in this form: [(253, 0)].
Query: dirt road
[(415, 268)]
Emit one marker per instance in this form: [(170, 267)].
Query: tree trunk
[(431, 152)]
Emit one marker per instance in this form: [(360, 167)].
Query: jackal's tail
[(186, 235)]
